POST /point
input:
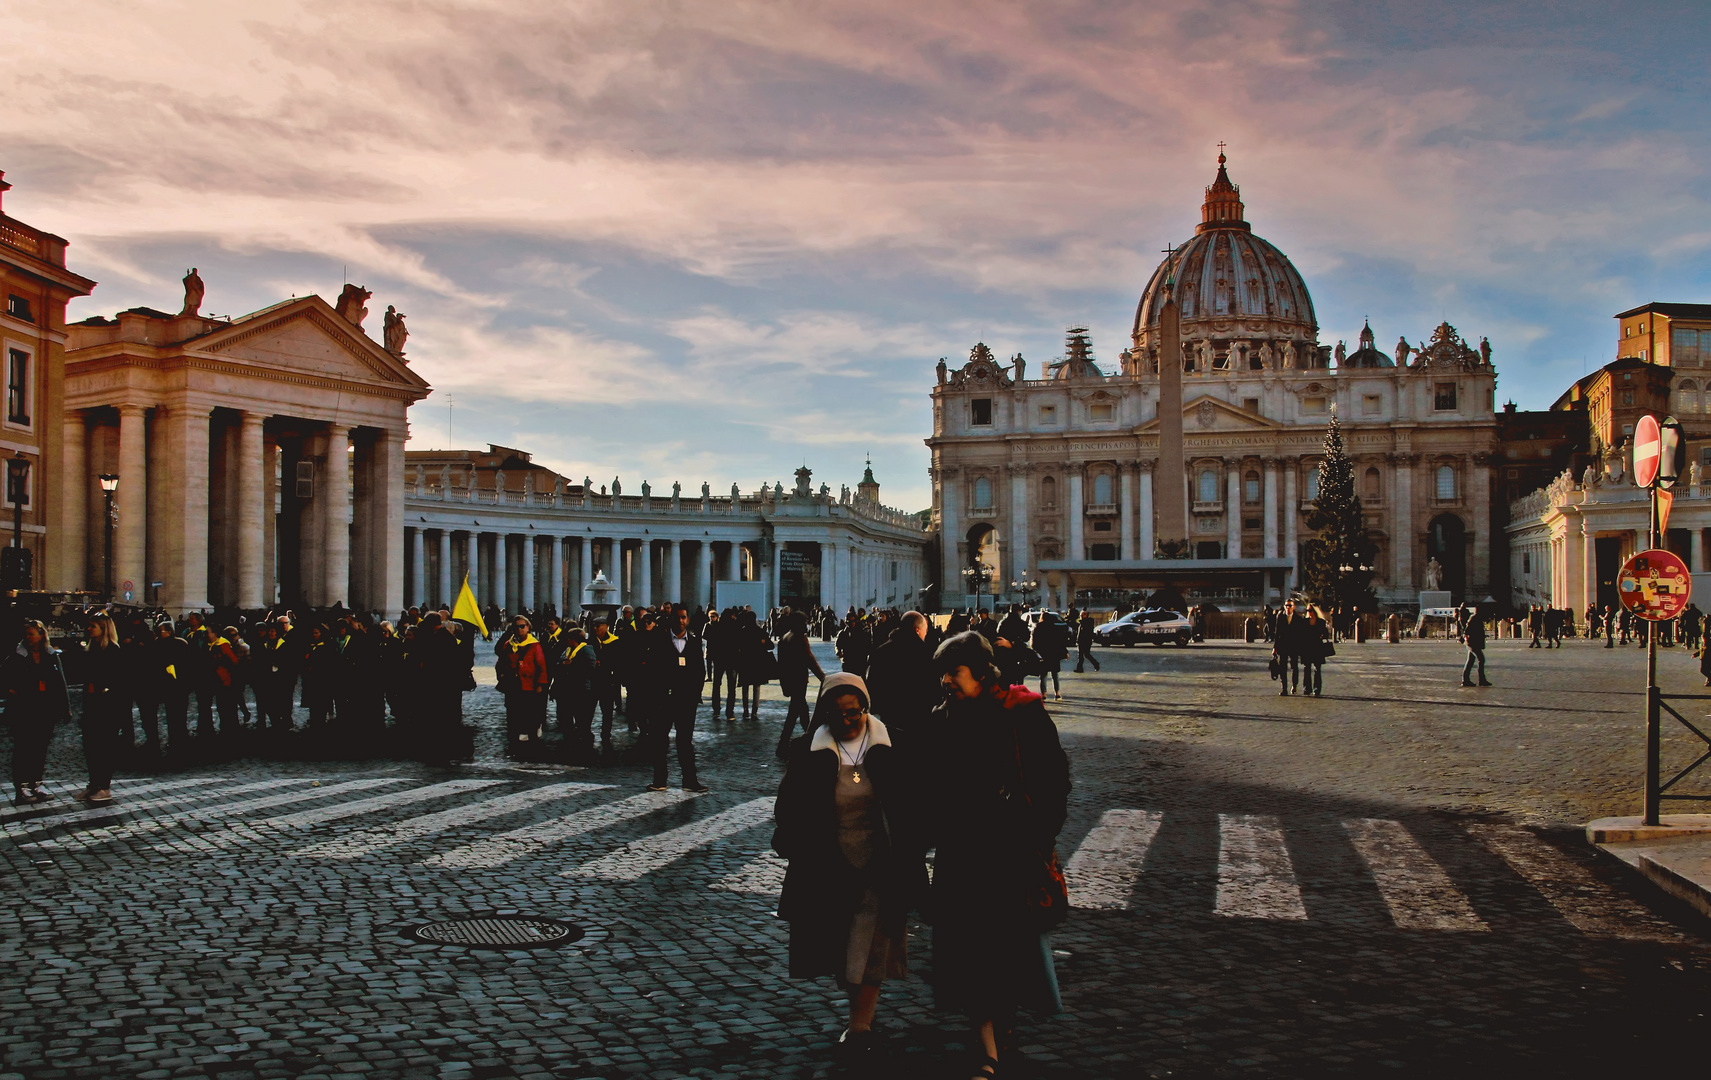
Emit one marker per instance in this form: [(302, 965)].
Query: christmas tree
[(1338, 563)]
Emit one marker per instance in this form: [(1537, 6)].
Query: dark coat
[(35, 692), (902, 682), (1051, 641), (795, 663), (1290, 635), (821, 890), (675, 676)]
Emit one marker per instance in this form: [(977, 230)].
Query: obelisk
[(1170, 510)]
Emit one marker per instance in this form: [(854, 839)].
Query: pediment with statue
[(1448, 352), (307, 336), (981, 371)]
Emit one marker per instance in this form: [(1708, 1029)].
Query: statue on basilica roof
[(193, 290), (395, 332), (350, 306)]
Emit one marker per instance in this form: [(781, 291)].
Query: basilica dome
[(1229, 284)]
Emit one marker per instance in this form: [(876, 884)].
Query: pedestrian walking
[(902, 680), (574, 677), (1051, 643), (1084, 644), (754, 662), (845, 826), (795, 663), (716, 639), (33, 678), (995, 803), (1473, 634), (521, 665), (169, 664), (104, 703), (1314, 646), (1609, 626), (1286, 648), (678, 670)]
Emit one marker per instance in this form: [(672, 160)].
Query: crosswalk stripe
[(416, 828), (245, 831), (122, 790), (1103, 871), (1589, 905), (215, 812), (761, 876), (97, 814), (640, 857), (1415, 888), (505, 847), (1256, 879)]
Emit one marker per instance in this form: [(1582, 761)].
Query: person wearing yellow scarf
[(521, 664)]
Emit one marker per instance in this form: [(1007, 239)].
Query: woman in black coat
[(34, 682), (795, 663), (844, 825), (106, 705), (999, 794)]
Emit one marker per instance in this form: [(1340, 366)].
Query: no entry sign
[(1655, 584), (1648, 446)]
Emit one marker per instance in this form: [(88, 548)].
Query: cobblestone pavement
[(1385, 881)]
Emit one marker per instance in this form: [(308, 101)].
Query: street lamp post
[(977, 577), (1026, 587), (109, 485)]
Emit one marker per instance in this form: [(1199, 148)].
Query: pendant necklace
[(855, 762)]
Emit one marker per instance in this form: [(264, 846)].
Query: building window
[(1250, 487), (1101, 526), (19, 308), (1372, 482), (1102, 490), (18, 387), (1687, 397), (893, 569), (1048, 492), (1526, 562), (1371, 405), (1313, 406), (1313, 486), (982, 411), (1102, 411), (982, 494), (1048, 415), (1208, 487), (1444, 397), (1251, 404), (1446, 483), (1103, 553), (1627, 397)]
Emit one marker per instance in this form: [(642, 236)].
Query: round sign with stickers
[(1655, 585)]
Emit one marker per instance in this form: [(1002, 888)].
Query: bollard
[(1250, 630), (1360, 631), (1393, 629)]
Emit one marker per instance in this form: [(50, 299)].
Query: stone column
[(419, 568), (1291, 518), (446, 596), (1270, 511), (774, 599), (336, 544), (1479, 510), (1020, 553), (1145, 547), (828, 583), (471, 561), (1695, 551), (250, 511), (1126, 506), (950, 529), (1589, 562), (1402, 518), (1077, 517), (75, 486), (528, 600), (385, 510), (1233, 509), (674, 572), (587, 567), (704, 579), (645, 572), (130, 534), (501, 590), (186, 533), (556, 577)]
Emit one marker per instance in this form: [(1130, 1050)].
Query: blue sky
[(713, 242)]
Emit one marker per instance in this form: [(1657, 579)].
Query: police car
[(1157, 625)]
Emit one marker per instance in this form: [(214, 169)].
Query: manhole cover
[(498, 932)]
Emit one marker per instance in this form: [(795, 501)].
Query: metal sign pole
[(1653, 697)]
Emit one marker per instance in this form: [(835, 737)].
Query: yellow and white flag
[(467, 610)]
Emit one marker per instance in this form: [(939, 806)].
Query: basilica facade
[(1049, 482)]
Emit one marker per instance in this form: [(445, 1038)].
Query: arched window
[(1372, 485), (1250, 487), (1208, 487), (1446, 483), (1313, 485), (1102, 490), (982, 493), (1687, 396), (1048, 491)]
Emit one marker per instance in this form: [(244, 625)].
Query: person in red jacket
[(521, 665)]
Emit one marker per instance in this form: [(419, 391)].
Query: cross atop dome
[(1223, 206)]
